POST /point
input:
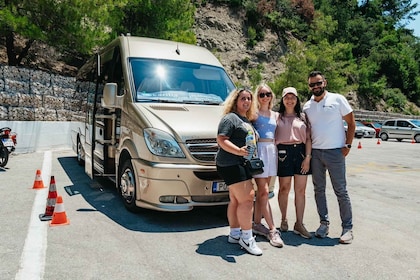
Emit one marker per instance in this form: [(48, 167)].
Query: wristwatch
[(348, 146)]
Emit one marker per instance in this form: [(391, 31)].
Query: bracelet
[(308, 156)]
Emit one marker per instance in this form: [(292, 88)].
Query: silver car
[(368, 132), (401, 129), (358, 132)]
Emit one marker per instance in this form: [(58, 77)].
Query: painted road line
[(32, 261)]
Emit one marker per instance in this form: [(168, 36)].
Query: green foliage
[(74, 26), (252, 34), (164, 19), (335, 61), (255, 76), (80, 26), (395, 100)]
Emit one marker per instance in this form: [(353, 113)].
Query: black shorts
[(233, 174), (290, 158)]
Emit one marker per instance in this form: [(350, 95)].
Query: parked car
[(401, 129), (358, 132), (368, 132), (375, 125)]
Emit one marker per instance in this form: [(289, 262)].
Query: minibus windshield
[(179, 82)]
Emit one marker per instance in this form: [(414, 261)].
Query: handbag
[(254, 166)]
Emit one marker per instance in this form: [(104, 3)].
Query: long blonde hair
[(257, 92), (231, 100)]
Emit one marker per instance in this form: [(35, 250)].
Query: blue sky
[(415, 25)]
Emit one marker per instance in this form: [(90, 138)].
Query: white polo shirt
[(326, 120)]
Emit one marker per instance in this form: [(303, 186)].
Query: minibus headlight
[(162, 144)]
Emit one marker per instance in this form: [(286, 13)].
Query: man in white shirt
[(330, 145)]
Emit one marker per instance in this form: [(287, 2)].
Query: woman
[(294, 156), (233, 128), (265, 124)]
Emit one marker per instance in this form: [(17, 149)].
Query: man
[(330, 145)]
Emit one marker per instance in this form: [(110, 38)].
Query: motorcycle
[(7, 144)]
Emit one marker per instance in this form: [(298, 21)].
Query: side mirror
[(110, 98)]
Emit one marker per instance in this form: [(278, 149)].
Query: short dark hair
[(315, 73)]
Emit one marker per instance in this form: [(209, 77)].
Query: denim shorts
[(290, 158), (233, 174)]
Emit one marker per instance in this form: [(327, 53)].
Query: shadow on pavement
[(291, 239), (102, 195), (219, 246)]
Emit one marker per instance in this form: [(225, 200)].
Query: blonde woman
[(233, 128), (265, 124)]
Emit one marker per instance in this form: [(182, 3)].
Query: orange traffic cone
[(413, 141), (52, 197), (360, 145), (59, 217), (379, 142), (38, 183)]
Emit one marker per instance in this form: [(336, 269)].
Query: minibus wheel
[(127, 186)]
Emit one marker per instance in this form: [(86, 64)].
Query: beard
[(319, 93)]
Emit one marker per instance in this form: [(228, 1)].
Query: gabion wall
[(34, 95)]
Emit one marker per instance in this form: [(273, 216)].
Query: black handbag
[(254, 166)]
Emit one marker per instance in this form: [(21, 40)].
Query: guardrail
[(375, 116)]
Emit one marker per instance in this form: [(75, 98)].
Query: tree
[(75, 26), (163, 19)]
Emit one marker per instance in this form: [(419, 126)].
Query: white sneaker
[(251, 246), (234, 239), (346, 237)]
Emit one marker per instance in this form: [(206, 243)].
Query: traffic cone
[(51, 199), (59, 217), (360, 145), (38, 183), (413, 141), (379, 142)]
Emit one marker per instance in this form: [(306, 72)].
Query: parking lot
[(104, 241)]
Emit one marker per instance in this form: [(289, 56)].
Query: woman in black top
[(233, 128)]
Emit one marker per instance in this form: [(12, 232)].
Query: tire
[(417, 138), (127, 186), (384, 137), (4, 155), (79, 149)]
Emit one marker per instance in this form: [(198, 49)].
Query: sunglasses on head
[(244, 89), (315, 84), (264, 94)]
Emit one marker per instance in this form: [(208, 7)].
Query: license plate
[(219, 187), (7, 142)]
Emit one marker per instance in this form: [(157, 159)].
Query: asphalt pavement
[(104, 241)]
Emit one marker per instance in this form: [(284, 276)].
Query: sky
[(415, 25)]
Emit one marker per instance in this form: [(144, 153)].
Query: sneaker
[(275, 239), (284, 226), (323, 230), (346, 237), (251, 246), (301, 230), (234, 239), (260, 229)]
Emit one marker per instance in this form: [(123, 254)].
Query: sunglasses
[(311, 85), (264, 94), (240, 90)]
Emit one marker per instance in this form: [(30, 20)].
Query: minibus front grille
[(203, 149)]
